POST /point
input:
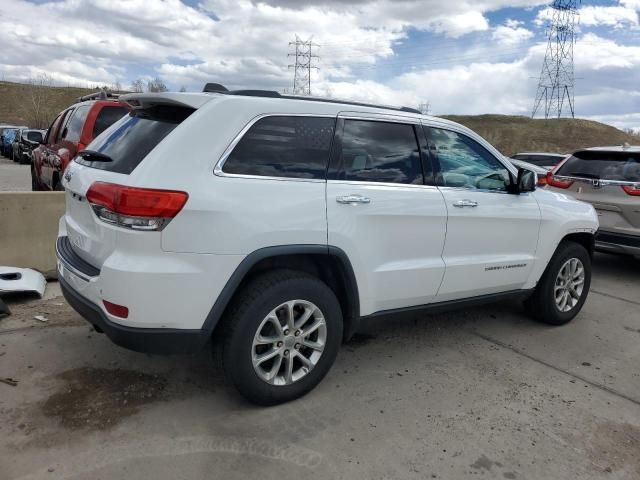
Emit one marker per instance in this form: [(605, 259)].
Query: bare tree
[(37, 110), (157, 85), (137, 85)]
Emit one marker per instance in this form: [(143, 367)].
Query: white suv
[(277, 224)]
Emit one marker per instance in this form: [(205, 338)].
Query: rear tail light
[(135, 208), (555, 182), (632, 190), (116, 310)]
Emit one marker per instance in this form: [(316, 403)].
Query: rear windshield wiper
[(93, 156)]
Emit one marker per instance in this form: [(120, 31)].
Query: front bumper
[(618, 243), (146, 340)]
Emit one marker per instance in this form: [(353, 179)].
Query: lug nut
[(286, 332), (297, 333), (286, 353), (279, 344), (297, 346)]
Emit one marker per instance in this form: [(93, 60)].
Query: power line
[(556, 87), (304, 64)]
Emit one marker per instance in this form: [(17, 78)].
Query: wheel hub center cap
[(289, 341)]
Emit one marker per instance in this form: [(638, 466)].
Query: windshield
[(620, 166)]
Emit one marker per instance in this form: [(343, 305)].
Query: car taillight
[(555, 182), (135, 208), (632, 190)]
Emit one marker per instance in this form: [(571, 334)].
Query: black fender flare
[(232, 285)]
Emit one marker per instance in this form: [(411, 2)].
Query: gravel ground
[(13, 176), (479, 393)]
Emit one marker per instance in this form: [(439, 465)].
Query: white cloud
[(511, 33), (623, 15)]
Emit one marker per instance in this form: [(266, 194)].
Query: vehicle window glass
[(125, 144), (464, 163), (63, 124), (52, 129), (279, 146), (75, 124), (621, 166), (34, 136), (107, 116), (379, 152)]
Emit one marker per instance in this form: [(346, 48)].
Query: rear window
[(107, 116), (540, 160), (128, 141), (621, 166)]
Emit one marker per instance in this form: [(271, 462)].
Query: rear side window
[(379, 152), (75, 124), (621, 166), (279, 146), (124, 145), (107, 116)]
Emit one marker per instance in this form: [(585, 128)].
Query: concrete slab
[(482, 393)]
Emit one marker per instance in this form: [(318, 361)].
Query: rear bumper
[(618, 243), (146, 340)]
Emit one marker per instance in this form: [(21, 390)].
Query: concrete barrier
[(28, 229)]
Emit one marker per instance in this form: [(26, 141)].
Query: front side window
[(281, 146), (75, 124), (63, 125), (379, 152), (464, 163)]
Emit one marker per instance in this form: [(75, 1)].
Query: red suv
[(69, 134)]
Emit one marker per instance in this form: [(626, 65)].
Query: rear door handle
[(353, 199), (465, 203)]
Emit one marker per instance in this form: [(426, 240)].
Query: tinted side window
[(291, 147), (62, 125), (107, 116), (379, 152), (48, 139), (465, 163), (74, 126)]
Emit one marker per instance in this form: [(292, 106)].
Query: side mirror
[(527, 180)]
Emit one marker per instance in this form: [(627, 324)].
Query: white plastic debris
[(14, 279), (41, 318)]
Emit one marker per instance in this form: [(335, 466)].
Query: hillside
[(512, 134), (35, 106)]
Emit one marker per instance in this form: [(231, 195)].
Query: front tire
[(564, 286), (281, 336)]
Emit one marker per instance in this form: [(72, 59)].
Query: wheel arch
[(586, 239), (328, 263)]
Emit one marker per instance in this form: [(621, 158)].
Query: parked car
[(609, 179), (24, 143), (6, 128), (546, 160), (6, 140), (70, 133), (292, 220), (541, 172)]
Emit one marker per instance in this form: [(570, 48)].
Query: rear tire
[(564, 286), (298, 360)]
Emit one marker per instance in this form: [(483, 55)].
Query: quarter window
[(280, 146), (464, 163), (379, 152)]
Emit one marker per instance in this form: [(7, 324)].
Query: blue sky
[(462, 57)]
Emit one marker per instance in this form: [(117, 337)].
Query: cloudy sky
[(462, 56)]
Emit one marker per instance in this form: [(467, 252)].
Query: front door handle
[(465, 203), (353, 199)]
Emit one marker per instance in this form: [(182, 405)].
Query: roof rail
[(101, 95), (217, 88)]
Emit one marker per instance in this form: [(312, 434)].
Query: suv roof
[(617, 148), (546, 154)]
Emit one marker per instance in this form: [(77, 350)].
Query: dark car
[(26, 140), (6, 139), (70, 133)]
